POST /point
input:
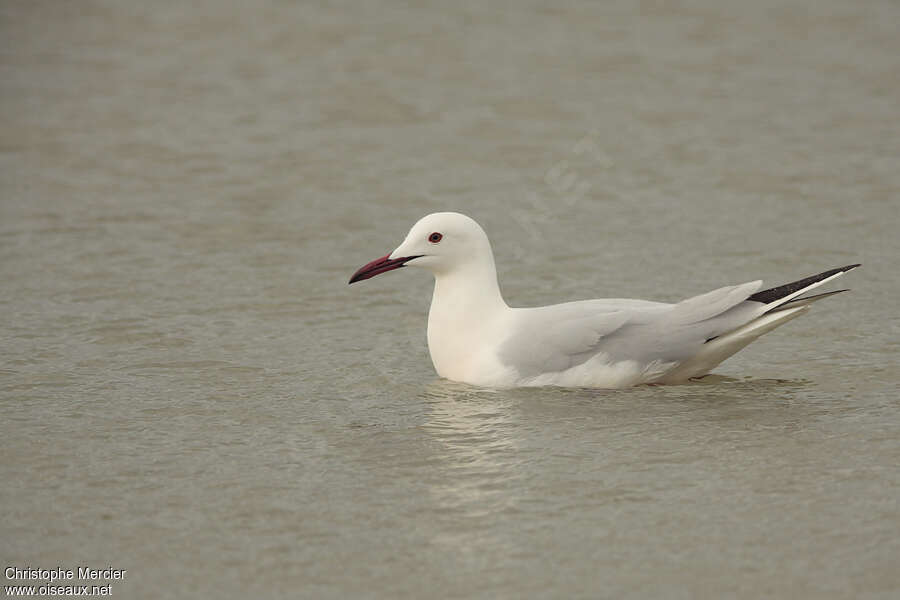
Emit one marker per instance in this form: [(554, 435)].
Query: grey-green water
[(190, 391)]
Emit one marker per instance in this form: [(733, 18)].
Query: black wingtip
[(776, 293)]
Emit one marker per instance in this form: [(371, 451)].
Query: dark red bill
[(379, 266)]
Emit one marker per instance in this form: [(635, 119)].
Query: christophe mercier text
[(60, 574)]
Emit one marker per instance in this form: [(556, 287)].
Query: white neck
[(466, 309)]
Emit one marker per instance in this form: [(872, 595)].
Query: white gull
[(476, 338)]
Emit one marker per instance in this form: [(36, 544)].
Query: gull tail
[(782, 304), (717, 349)]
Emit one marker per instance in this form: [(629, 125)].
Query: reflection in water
[(504, 460), (478, 464)]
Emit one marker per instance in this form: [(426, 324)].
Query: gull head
[(440, 242)]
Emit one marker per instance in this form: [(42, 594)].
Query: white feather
[(475, 337)]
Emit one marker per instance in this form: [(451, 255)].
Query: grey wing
[(680, 333), (556, 338)]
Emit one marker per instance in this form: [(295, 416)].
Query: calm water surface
[(190, 391)]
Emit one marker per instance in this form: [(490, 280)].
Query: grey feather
[(559, 337)]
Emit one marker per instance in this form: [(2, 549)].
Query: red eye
[(435, 237)]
